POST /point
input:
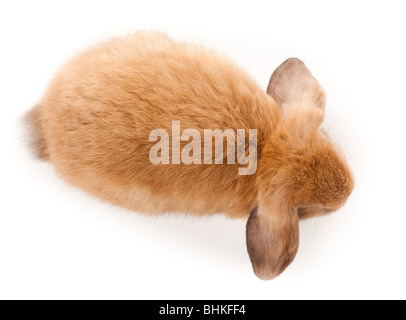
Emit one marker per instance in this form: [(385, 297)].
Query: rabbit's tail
[(34, 135)]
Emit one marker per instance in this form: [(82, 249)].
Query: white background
[(57, 242)]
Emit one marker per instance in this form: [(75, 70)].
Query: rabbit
[(94, 124)]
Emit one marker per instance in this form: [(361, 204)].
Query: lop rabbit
[(94, 125)]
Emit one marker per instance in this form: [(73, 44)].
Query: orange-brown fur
[(94, 123)]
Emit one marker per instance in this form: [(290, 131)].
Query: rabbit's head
[(301, 172)]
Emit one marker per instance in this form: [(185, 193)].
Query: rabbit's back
[(100, 109)]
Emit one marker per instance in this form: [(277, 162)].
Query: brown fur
[(102, 105)]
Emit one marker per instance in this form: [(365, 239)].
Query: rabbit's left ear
[(297, 92), (272, 237)]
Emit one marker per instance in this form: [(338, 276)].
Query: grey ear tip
[(265, 274), (288, 64), (294, 60)]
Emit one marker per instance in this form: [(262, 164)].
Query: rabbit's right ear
[(296, 91), (272, 237)]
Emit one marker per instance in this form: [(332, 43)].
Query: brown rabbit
[(95, 122)]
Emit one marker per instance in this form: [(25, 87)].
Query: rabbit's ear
[(272, 239), (296, 91)]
